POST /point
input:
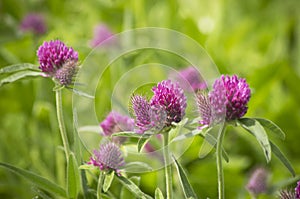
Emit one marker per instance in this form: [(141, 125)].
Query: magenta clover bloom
[(167, 105), (228, 100), (108, 157), (258, 182), (101, 33), (190, 79), (58, 61), (115, 122), (35, 23)]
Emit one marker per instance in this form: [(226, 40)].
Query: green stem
[(100, 184), (61, 123), (168, 168), (221, 194)]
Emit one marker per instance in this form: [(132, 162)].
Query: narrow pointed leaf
[(185, 184), (18, 67), (141, 143), (158, 194), (82, 93), (130, 134), (256, 129), (73, 181), (108, 180), (282, 158), (125, 193), (19, 75), (188, 135), (39, 181), (271, 126), (133, 188)]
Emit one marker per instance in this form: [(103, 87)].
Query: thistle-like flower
[(143, 113), (101, 33), (227, 101), (258, 182), (108, 157), (34, 22), (189, 79), (58, 61), (167, 105)]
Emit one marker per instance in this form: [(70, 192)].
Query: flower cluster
[(58, 61), (228, 100), (35, 23), (108, 157), (167, 105), (115, 122), (297, 190)]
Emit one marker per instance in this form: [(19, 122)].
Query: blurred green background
[(257, 39)]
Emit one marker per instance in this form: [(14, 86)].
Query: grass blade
[(39, 181)]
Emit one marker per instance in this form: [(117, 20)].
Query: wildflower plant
[(161, 114)]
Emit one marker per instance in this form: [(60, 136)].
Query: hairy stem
[(168, 168), (221, 194), (100, 184), (61, 123)]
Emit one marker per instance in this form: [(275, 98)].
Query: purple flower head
[(190, 79), (297, 190), (53, 55), (35, 23), (101, 33), (115, 122), (228, 100), (258, 182), (169, 97), (237, 93), (108, 157)]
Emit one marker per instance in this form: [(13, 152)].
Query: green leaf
[(271, 126), (82, 93), (130, 134), (185, 184), (282, 158), (133, 188), (18, 67), (158, 194), (108, 180), (125, 193), (256, 129), (142, 142), (188, 135), (39, 181), (19, 75), (73, 180)]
